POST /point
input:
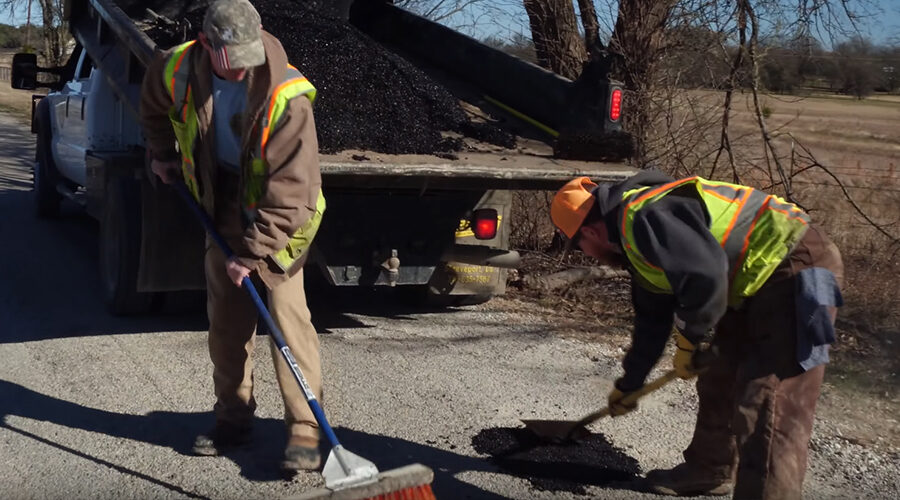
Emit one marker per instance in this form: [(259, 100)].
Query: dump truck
[(438, 225)]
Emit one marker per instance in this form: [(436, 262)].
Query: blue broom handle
[(274, 331)]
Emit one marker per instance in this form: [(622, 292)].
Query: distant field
[(859, 141)]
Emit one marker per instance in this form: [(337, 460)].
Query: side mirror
[(24, 71)]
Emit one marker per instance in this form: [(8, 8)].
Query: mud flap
[(172, 244)]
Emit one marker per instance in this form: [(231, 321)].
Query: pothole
[(571, 467)]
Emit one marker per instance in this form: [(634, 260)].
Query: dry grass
[(16, 102)]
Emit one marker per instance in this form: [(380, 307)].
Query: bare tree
[(591, 26), (473, 17), (437, 10), (54, 33), (638, 41), (557, 41)]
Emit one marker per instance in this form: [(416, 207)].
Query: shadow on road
[(558, 467), (260, 462), (50, 279), (50, 286)]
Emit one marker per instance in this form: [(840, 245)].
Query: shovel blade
[(557, 431)]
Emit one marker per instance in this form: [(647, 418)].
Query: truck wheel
[(46, 198), (120, 248)]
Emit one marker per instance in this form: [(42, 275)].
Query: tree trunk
[(557, 41), (53, 32), (638, 42), (591, 27)]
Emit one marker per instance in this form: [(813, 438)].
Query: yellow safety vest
[(183, 116), (756, 230)]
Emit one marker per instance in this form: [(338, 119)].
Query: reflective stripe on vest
[(756, 230), (183, 116), (294, 84)]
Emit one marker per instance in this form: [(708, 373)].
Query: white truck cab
[(84, 115), (68, 140)]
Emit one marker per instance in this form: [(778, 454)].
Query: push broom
[(347, 475)]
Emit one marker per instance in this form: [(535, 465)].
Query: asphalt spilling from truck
[(568, 467), (368, 97)]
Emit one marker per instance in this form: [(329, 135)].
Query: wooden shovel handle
[(631, 397)]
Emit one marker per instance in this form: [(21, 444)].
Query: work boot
[(222, 438), (302, 453), (687, 480)]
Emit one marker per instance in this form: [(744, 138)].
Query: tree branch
[(814, 163)]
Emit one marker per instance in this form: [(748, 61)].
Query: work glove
[(690, 360), (616, 406)]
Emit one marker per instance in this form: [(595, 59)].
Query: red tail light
[(615, 105), (484, 223)]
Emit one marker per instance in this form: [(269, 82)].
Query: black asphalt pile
[(570, 467), (368, 97)]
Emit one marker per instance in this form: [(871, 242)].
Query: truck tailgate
[(506, 170)]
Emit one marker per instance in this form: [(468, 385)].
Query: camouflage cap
[(233, 28)]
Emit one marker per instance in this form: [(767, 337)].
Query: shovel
[(560, 431)]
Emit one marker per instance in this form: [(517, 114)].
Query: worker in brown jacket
[(751, 288), (242, 119)]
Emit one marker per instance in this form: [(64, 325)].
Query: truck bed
[(530, 165)]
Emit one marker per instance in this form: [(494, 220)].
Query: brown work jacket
[(294, 180)]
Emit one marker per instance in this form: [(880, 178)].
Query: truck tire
[(45, 176), (120, 248)]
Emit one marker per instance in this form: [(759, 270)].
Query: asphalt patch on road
[(570, 467)]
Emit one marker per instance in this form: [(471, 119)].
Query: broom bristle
[(422, 492), (412, 482)]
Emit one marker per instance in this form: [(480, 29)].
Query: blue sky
[(882, 27)]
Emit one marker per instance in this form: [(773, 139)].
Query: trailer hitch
[(392, 267)]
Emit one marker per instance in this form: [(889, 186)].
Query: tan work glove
[(691, 360), (683, 361), (616, 406)]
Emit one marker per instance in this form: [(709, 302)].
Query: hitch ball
[(392, 266)]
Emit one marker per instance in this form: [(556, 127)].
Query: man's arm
[(155, 105), (652, 327), (292, 154), (673, 234)]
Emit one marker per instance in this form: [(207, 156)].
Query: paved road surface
[(93, 406)]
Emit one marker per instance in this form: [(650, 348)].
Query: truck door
[(71, 134)]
